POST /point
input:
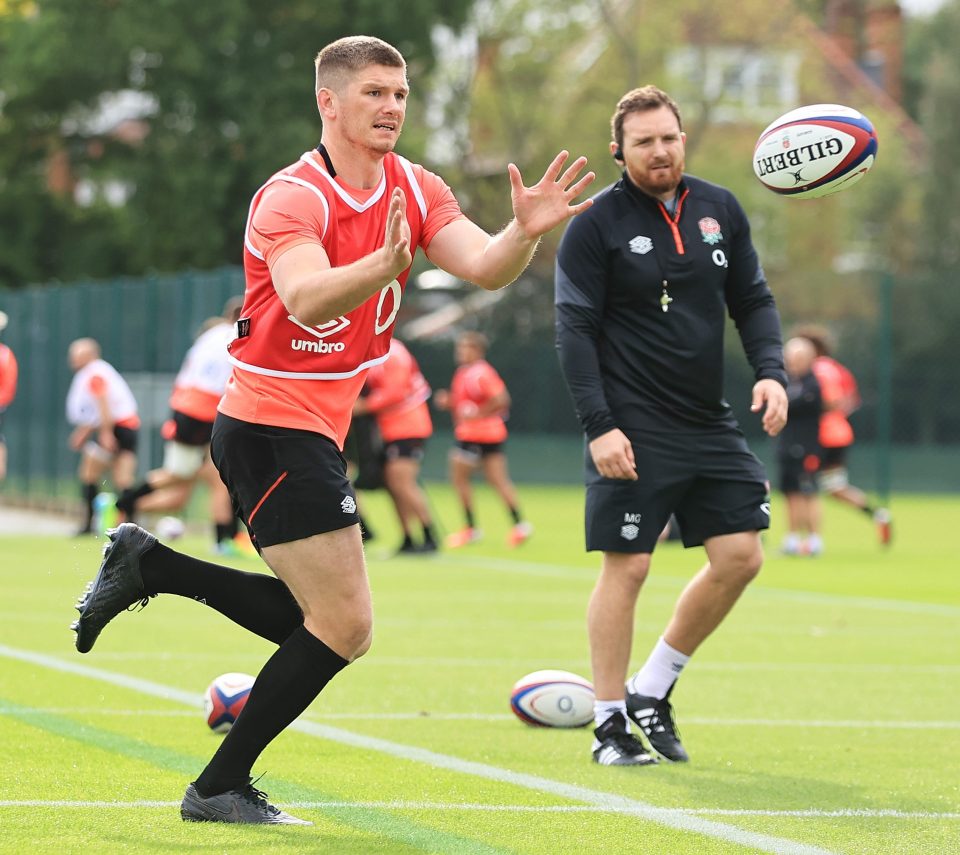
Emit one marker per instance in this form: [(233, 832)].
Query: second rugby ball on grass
[(553, 698)]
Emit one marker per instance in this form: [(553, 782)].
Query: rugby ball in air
[(815, 151), (224, 699), (553, 699)]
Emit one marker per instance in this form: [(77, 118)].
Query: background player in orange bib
[(397, 395), (327, 251), (478, 400), (841, 398)]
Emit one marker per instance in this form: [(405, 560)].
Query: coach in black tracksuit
[(644, 279)]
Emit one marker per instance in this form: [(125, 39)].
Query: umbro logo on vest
[(321, 331), (641, 245)]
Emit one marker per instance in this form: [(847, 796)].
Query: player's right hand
[(612, 454), (396, 240)]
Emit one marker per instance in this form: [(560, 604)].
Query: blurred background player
[(798, 450), (103, 411), (8, 389), (197, 390), (841, 397), (397, 395), (478, 401)]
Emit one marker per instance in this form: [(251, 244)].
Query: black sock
[(260, 603), (226, 531), (128, 498), (88, 492), (428, 535), (290, 680), (514, 514), (468, 513), (407, 540), (868, 509)]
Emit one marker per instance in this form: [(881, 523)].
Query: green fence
[(146, 325)]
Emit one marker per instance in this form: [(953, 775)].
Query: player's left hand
[(549, 202), (770, 394)]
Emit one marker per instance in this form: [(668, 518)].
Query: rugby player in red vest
[(841, 397), (327, 250), (396, 394)]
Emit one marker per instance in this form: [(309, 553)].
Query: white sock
[(659, 672), (602, 710)]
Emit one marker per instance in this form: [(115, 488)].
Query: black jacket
[(627, 362)]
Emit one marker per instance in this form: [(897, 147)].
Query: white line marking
[(612, 802), (532, 568), (455, 716), (853, 813), (373, 659)]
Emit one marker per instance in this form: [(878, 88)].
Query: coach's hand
[(773, 396), (613, 456)]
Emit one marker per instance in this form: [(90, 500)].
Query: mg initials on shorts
[(710, 480)]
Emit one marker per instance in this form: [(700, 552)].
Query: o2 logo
[(381, 323), (719, 258)]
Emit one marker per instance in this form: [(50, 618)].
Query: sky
[(920, 7)]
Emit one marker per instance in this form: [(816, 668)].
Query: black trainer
[(117, 586), (248, 805), (654, 716), (614, 746)]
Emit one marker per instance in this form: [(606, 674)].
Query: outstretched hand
[(548, 203), (396, 240), (771, 395)]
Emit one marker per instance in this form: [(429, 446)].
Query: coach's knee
[(744, 563)]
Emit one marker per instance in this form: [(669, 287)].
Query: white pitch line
[(455, 716), (533, 568), (611, 802), (811, 813), (373, 659)]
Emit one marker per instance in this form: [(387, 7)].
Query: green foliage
[(233, 87)]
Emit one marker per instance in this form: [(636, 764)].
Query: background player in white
[(103, 411), (197, 390)]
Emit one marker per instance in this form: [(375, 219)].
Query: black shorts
[(187, 430), (126, 437), (834, 458), (474, 452), (411, 449), (285, 484), (711, 481), (799, 475)]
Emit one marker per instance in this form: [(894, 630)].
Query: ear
[(327, 103), (615, 152)]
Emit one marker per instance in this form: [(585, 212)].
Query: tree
[(226, 91)]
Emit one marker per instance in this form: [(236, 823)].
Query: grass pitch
[(821, 717)]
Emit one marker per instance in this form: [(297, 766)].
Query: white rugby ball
[(553, 698), (815, 151), (170, 528)]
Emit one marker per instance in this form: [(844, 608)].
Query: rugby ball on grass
[(815, 151), (224, 699), (553, 698)]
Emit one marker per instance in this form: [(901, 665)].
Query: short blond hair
[(345, 57)]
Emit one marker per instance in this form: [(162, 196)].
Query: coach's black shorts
[(799, 474), (187, 430), (409, 449), (285, 484), (711, 481)]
